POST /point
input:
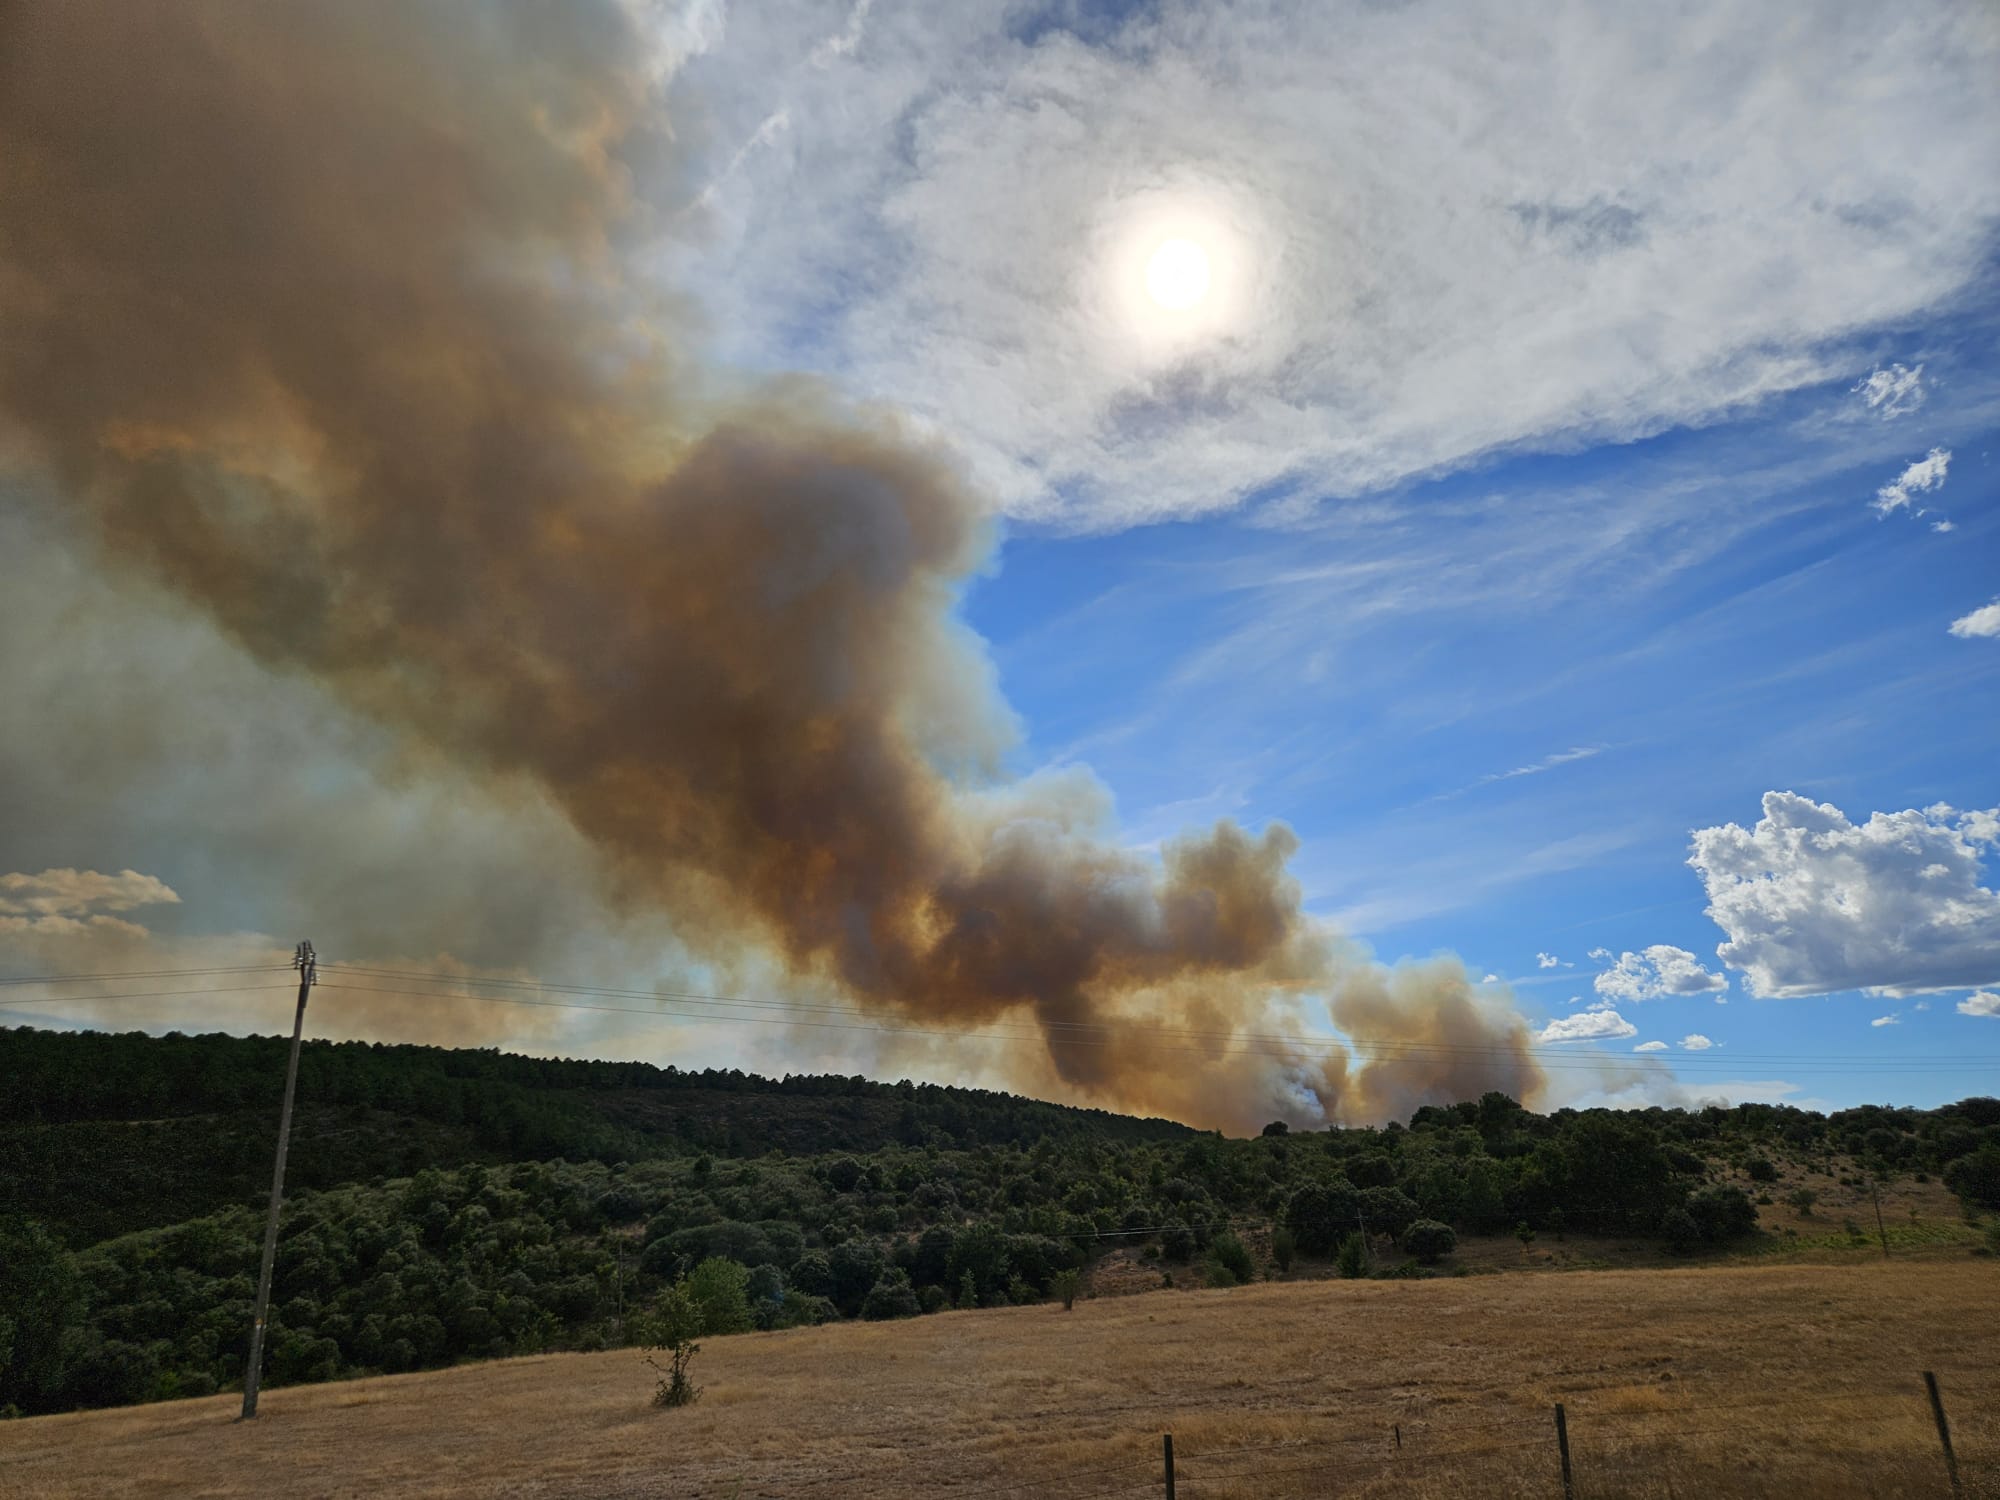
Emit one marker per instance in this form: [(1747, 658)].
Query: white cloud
[(1438, 232), (1984, 621), (1546, 961), (1894, 391), (1656, 972), (1942, 527), (1599, 954), (1694, 1041), (1533, 768), (1650, 1047), (1984, 1003), (1491, 979), (1927, 473), (1588, 1026), (1812, 903), (1887, 1021)]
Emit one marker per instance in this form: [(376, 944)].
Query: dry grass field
[(1769, 1380)]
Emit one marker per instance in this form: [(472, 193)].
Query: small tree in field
[(1525, 1234), (670, 1329), (1066, 1284), (1802, 1199)]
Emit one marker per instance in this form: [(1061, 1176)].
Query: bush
[(1430, 1241), (1680, 1231), (1321, 1214), (1802, 1200), (1229, 1257), (1283, 1246), (933, 1299), (1722, 1213), (891, 1297), (1352, 1259), (1066, 1284), (1976, 1178), (1761, 1169)]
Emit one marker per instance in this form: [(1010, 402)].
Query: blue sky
[(1565, 497)]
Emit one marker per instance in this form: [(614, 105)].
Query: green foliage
[(1066, 1284), (1352, 1260), (1802, 1200), (1976, 1177), (1284, 1245), (720, 1288), (1429, 1241), (670, 1329), (1229, 1262), (1321, 1214), (1761, 1169), (891, 1297), (38, 1301)]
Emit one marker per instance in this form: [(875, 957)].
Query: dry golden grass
[(1767, 1380)]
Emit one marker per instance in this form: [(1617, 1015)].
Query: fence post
[(1562, 1447), (1944, 1432), (1167, 1441)]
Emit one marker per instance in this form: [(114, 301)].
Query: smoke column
[(321, 315)]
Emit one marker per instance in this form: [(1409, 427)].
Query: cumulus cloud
[(1984, 621), (1925, 474), (1894, 391), (1588, 1026), (1546, 961), (1887, 1021), (1650, 1047), (1694, 1041), (1491, 979), (1984, 1003), (1811, 902), (1655, 973), (1599, 954), (1435, 231)]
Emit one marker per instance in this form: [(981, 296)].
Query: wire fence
[(1597, 1442)]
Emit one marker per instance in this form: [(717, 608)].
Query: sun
[(1177, 276)]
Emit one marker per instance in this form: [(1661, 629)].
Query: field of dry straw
[(1767, 1380)]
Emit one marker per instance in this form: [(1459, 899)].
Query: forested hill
[(102, 1133)]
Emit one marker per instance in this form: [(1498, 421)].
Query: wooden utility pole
[(1881, 1229), (304, 961)]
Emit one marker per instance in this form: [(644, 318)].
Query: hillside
[(398, 1253), (102, 1133), (1724, 1382)]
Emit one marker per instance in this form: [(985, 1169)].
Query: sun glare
[(1177, 276)]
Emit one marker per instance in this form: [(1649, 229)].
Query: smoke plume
[(323, 316)]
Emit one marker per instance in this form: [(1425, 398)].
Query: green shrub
[(1066, 1284), (1284, 1245), (1228, 1257), (891, 1297), (1430, 1241), (1802, 1200), (1352, 1259), (1761, 1169)]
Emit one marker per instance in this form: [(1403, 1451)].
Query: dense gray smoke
[(320, 314)]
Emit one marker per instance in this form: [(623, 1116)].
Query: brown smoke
[(319, 313)]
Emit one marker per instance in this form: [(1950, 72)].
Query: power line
[(141, 974)]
